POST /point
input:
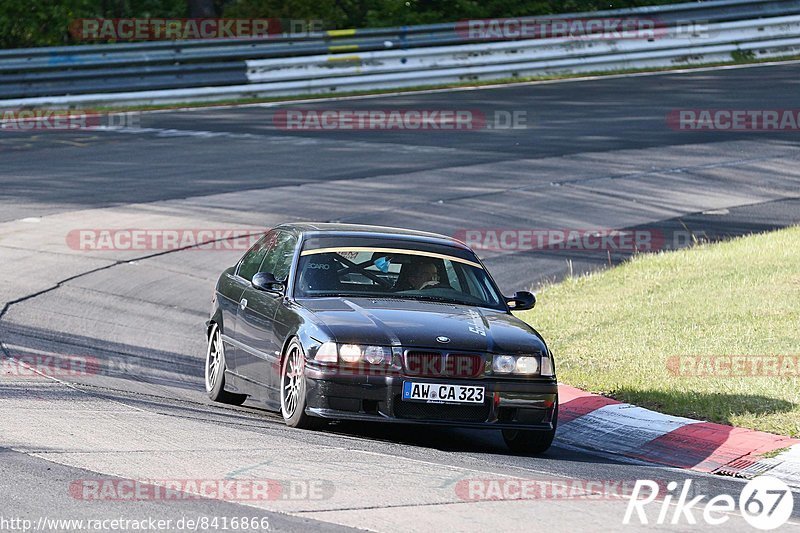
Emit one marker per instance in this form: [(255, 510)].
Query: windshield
[(392, 273)]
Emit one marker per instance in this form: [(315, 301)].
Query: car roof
[(339, 229)]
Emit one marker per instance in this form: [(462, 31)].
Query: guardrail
[(348, 60)]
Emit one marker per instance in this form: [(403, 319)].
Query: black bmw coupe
[(338, 321)]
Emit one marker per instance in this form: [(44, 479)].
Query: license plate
[(435, 392)]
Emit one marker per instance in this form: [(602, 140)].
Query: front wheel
[(215, 371), (293, 389), (530, 442)]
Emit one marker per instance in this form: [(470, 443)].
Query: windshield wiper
[(349, 295), (445, 300), (396, 296)]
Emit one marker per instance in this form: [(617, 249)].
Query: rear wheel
[(293, 389), (215, 371), (530, 442)]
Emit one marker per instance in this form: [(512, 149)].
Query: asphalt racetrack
[(590, 154)]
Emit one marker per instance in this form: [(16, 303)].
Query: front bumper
[(528, 405)]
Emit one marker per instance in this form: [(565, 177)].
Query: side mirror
[(265, 281), (521, 301)]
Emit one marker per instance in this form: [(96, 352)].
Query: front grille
[(445, 365), (424, 363), (430, 411)]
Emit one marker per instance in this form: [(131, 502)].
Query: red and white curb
[(588, 420)]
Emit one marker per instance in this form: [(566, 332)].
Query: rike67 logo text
[(766, 503)]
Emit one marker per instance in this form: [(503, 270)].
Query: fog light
[(503, 364), (527, 365), (350, 353), (377, 355)]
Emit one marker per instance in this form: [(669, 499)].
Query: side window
[(279, 258), (252, 259), (479, 286), (474, 287)]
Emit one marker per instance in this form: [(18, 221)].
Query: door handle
[(243, 304)]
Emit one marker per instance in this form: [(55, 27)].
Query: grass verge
[(619, 332)]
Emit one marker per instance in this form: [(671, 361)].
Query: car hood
[(418, 324)]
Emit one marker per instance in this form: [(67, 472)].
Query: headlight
[(330, 352), (377, 355), (503, 364), (526, 365), (350, 353)]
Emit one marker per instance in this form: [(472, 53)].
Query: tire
[(293, 389), (215, 371), (530, 442)]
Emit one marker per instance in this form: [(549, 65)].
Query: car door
[(255, 328), (229, 292), (235, 286)]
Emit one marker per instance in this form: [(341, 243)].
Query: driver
[(422, 274)]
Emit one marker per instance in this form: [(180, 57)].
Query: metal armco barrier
[(354, 60)]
